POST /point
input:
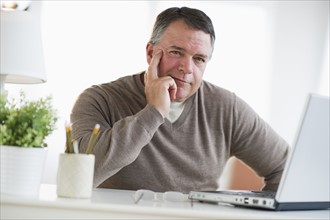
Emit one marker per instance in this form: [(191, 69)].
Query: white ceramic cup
[(75, 175)]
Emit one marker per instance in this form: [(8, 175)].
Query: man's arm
[(258, 145), (118, 144)]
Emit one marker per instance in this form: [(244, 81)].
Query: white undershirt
[(176, 108)]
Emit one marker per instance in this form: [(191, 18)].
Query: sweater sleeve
[(118, 143), (258, 145)]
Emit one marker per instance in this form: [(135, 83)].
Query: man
[(167, 129)]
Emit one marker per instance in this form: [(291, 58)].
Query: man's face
[(185, 54)]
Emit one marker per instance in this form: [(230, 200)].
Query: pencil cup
[(75, 175)]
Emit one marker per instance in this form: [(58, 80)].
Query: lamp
[(22, 58), (22, 62)]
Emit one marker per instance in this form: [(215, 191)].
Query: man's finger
[(172, 90), (152, 72)]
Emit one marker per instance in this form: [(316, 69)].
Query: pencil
[(69, 147), (92, 139), (75, 147)]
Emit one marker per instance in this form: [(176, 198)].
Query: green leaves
[(26, 123)]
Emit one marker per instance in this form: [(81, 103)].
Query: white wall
[(271, 53), (300, 62)]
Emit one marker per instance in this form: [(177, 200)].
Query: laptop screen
[(306, 176)]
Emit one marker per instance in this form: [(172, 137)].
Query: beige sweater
[(137, 149)]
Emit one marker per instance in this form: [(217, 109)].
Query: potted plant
[(24, 126)]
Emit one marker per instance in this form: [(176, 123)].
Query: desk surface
[(107, 204)]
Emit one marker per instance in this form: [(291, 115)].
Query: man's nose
[(186, 65)]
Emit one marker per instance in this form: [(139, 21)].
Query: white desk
[(107, 204)]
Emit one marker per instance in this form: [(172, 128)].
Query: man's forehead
[(179, 34)]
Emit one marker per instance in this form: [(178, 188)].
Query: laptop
[(305, 180)]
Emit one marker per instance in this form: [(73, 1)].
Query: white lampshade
[(22, 59)]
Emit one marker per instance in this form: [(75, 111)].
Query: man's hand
[(160, 91)]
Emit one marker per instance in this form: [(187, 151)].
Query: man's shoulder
[(120, 88), (122, 83)]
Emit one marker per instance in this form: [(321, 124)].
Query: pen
[(69, 147), (92, 139), (137, 200), (75, 147)]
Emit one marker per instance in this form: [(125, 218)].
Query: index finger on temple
[(152, 73)]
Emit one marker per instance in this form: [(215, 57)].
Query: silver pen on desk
[(137, 200)]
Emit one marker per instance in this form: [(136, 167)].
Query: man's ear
[(149, 52)]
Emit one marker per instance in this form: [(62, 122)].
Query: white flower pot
[(21, 170)]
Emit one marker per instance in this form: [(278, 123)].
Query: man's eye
[(199, 59), (175, 52)]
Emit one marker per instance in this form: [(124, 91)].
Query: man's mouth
[(179, 81)]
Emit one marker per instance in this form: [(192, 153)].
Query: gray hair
[(194, 18)]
